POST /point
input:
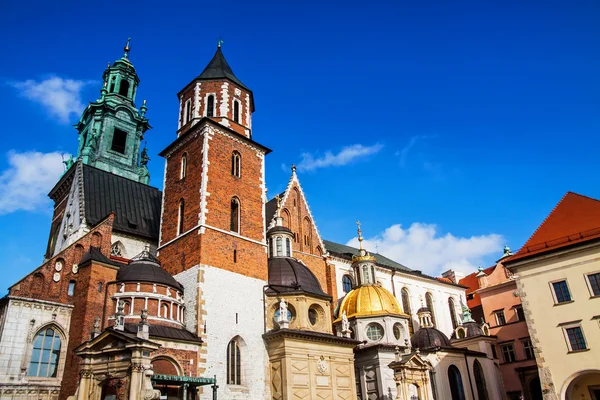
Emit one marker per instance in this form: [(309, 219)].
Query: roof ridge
[(550, 214)]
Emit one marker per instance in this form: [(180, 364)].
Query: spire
[(360, 238), (218, 68), (127, 48)]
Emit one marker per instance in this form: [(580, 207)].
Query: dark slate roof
[(276, 229), (288, 275), (94, 254), (146, 269), (166, 332), (472, 328), (271, 208), (218, 68), (347, 252), (136, 206), (429, 338)]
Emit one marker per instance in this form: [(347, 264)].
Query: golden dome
[(368, 301)]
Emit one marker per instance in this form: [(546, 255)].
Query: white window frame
[(586, 276), (205, 114), (187, 112), (551, 285), (496, 317), (183, 166), (240, 112), (515, 308), (574, 324)]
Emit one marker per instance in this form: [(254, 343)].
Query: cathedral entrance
[(177, 387)]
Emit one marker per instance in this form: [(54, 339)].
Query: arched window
[(180, 217), (236, 164), (78, 253), (71, 289), (429, 301), (307, 232), (347, 283), (234, 363), (285, 214), (183, 166), (45, 354), (124, 88), (96, 239), (112, 84), (288, 247), (456, 386), (235, 215), (279, 246), (117, 249), (127, 307), (452, 312), (406, 308), (37, 284), (187, 113), (236, 111), (165, 310), (210, 106), (480, 381)]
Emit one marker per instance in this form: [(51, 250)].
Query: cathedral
[(210, 290)]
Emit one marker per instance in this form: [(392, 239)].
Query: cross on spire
[(220, 42), (127, 48), (360, 238)]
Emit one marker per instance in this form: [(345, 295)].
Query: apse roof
[(136, 206), (166, 332)]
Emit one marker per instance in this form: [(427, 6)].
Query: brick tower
[(212, 235)]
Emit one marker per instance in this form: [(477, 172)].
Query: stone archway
[(583, 385)]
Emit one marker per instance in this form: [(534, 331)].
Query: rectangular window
[(528, 349), (71, 289), (508, 352), (594, 281), (500, 319), (119, 141), (576, 339), (494, 354), (561, 292), (519, 312)]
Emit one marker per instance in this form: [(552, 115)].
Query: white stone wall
[(189, 281), (132, 246), (23, 319), (417, 287), (225, 295)]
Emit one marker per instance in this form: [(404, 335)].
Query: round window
[(398, 330), (374, 332), (312, 316), (315, 314)]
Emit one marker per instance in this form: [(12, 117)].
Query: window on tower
[(236, 111), (188, 111), (118, 141), (180, 217), (210, 106), (124, 88), (235, 215), (183, 166), (236, 164)]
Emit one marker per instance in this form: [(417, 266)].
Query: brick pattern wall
[(219, 247), (225, 93)]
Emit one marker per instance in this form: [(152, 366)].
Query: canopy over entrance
[(185, 382)]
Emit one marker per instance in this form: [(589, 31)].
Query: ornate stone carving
[(322, 365)]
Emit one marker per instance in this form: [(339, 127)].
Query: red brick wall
[(182, 357), (214, 247), (216, 88)]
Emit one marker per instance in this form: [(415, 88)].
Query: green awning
[(177, 379)]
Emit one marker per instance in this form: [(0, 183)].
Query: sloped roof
[(574, 220), (472, 283), (136, 206), (347, 252), (288, 275), (94, 254), (218, 68), (165, 332)]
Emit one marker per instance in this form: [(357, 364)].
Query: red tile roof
[(472, 283), (575, 219)]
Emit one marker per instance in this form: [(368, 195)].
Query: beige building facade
[(558, 275)]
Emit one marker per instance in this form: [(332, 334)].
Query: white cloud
[(411, 143), (24, 185), (420, 247), (59, 96), (345, 156)]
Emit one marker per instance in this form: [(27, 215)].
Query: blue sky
[(449, 130)]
